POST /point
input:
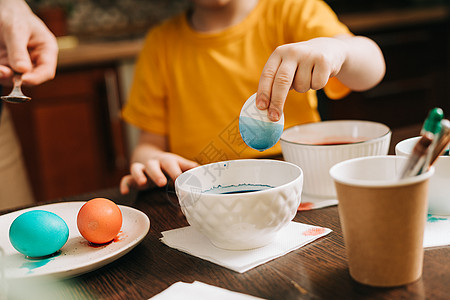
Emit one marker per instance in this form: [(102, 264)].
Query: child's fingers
[(155, 173), (171, 167), (266, 80), (137, 172), (125, 184), (281, 86), (320, 75), (302, 82), (187, 164)]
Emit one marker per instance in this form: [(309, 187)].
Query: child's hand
[(300, 66), (154, 172)]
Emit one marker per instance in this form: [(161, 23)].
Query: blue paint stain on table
[(434, 219)]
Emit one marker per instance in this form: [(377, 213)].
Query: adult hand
[(26, 45), (153, 172), (299, 66)]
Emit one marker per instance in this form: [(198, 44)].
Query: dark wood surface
[(316, 271)]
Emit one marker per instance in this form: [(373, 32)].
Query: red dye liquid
[(116, 239), (330, 140), (339, 141), (335, 143)]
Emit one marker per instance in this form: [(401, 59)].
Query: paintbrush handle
[(418, 156), (443, 141)]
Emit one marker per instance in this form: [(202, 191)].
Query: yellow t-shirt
[(191, 86)]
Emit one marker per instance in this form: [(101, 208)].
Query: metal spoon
[(16, 95)]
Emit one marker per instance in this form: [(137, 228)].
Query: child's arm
[(356, 61), (151, 160)]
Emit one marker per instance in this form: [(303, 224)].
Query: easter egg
[(38, 233), (99, 220), (256, 129)]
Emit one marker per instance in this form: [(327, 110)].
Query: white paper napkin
[(309, 202), (437, 231), (293, 236), (199, 291)]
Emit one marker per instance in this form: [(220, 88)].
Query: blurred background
[(72, 136)]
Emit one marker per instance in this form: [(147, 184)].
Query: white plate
[(76, 256)]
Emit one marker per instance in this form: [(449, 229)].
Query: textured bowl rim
[(301, 174), (388, 132)]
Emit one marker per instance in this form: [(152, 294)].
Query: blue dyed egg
[(38, 233), (256, 129)]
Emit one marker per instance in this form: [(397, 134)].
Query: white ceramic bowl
[(439, 189), (212, 199), (316, 147)]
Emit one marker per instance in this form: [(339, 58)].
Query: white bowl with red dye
[(316, 147)]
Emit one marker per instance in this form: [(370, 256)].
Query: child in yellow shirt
[(197, 69)]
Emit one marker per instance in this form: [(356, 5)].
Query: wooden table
[(316, 271)]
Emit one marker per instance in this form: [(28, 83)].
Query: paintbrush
[(418, 156), (432, 124), (442, 142)]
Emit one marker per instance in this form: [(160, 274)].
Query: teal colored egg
[(38, 233), (259, 135), (256, 130)]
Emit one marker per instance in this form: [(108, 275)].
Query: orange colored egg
[(99, 220)]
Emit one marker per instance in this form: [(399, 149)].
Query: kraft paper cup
[(382, 219)]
